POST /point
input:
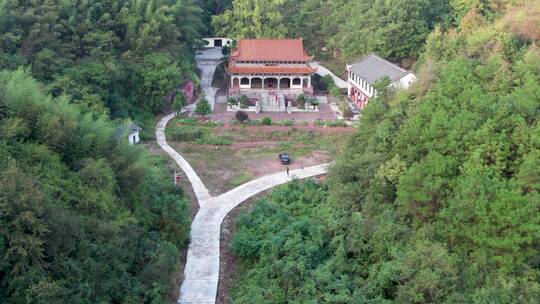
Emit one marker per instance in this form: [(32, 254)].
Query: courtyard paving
[(325, 113)]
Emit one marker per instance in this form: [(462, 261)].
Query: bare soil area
[(253, 151)]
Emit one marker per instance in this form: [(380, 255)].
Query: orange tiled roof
[(270, 70), (270, 50)]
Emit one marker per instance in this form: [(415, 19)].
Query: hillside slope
[(84, 218), (436, 198)]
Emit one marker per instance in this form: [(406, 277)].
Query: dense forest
[(341, 29), (119, 57), (84, 218), (436, 198), (345, 30)]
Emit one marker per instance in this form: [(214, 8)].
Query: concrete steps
[(273, 103)]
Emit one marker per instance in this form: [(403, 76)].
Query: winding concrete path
[(323, 71), (199, 188), (201, 273)]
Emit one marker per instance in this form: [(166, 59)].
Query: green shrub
[(203, 107), (319, 83), (333, 123), (336, 123), (306, 136), (244, 102), (301, 100), (241, 116), (267, 121), (335, 91), (286, 122), (328, 81), (314, 102), (231, 101), (191, 121), (255, 122), (186, 133), (179, 102)]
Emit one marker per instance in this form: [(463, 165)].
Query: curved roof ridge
[(286, 49)]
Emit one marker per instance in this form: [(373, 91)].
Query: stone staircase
[(273, 103)]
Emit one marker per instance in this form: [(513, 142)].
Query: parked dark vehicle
[(284, 158)]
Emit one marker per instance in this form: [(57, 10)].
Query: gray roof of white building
[(126, 130), (372, 68), (133, 128)]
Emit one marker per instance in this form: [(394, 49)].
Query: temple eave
[(277, 71)]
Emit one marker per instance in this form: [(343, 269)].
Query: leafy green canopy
[(436, 198), (121, 56), (202, 107), (251, 19), (84, 218), (346, 29)]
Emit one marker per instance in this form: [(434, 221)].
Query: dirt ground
[(254, 152)]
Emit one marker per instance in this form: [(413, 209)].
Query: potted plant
[(314, 102)]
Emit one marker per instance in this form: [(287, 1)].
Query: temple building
[(270, 69), (364, 73)]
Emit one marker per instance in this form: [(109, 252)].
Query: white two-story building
[(368, 70)]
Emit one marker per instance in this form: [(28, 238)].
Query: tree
[(435, 198), (73, 199), (301, 100), (267, 121), (314, 102), (106, 55), (251, 19), (232, 101), (203, 107), (241, 116), (23, 230), (244, 102), (179, 102), (160, 76)]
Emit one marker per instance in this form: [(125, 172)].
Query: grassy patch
[(333, 123), (190, 130), (240, 179), (226, 157)]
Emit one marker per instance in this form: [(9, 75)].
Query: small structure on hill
[(129, 129), (270, 71), (133, 134), (217, 42), (368, 70)]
